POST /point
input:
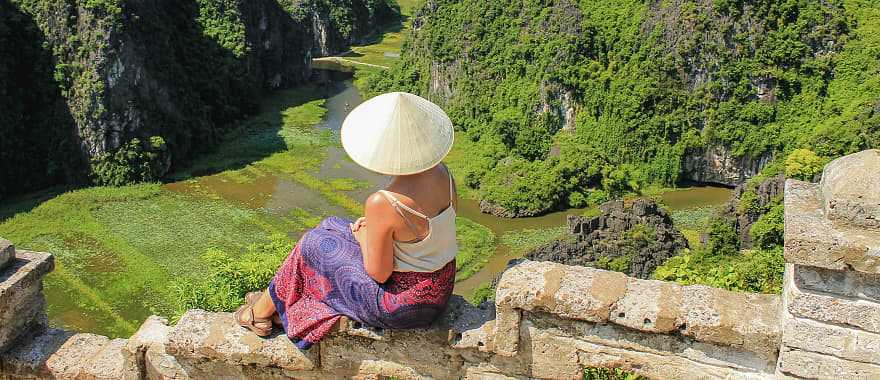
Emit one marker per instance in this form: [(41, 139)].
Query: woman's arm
[(376, 239)]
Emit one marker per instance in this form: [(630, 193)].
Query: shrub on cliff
[(767, 231), (749, 271), (803, 164), (133, 162), (723, 240)]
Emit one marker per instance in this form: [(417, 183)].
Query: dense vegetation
[(650, 82)]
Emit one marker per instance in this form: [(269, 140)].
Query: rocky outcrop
[(716, 164), (180, 70), (634, 239), (763, 195)]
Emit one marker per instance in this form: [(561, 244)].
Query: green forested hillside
[(565, 103)]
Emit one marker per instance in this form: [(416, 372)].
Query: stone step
[(857, 313)]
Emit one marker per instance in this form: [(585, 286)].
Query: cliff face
[(178, 70)]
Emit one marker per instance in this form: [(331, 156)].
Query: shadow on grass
[(259, 136)]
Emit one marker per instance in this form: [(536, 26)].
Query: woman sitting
[(394, 268)]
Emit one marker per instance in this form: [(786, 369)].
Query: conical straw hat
[(397, 134)]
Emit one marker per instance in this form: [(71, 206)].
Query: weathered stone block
[(423, 352), (550, 356), (568, 291), (618, 337), (145, 351), (813, 240), (75, 355), (203, 336), (860, 314), (748, 321), (651, 306), (851, 189), (109, 364), (845, 283), (159, 365), (554, 356), (654, 366), (21, 299), (832, 340), (506, 331), (473, 327), (811, 365), (483, 371), (28, 359), (7, 252)]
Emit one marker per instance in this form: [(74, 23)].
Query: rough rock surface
[(811, 239), (487, 207), (201, 336), (851, 189), (715, 164), (634, 239)]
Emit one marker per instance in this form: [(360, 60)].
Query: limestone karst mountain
[(82, 79)]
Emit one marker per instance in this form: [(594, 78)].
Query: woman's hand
[(356, 226)]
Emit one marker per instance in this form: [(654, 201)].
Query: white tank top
[(435, 250)]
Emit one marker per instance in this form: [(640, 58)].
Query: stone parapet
[(700, 313), (831, 313)]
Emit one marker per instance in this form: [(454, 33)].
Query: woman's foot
[(252, 298), (245, 318)]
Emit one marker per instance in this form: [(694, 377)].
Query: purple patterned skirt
[(324, 278)]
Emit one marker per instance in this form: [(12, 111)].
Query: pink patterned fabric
[(324, 278)]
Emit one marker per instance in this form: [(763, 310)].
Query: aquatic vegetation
[(476, 243), (523, 241)]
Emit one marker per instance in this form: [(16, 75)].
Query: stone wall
[(831, 313), (549, 320)]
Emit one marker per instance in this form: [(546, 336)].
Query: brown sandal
[(252, 298), (260, 326)]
